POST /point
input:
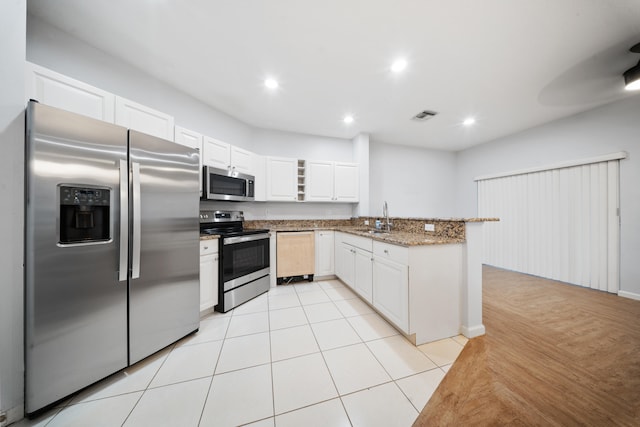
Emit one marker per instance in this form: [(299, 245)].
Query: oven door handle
[(241, 239)]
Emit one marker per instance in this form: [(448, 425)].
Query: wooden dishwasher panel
[(296, 253)]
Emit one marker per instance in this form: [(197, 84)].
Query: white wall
[(361, 155), (284, 210), (611, 128), (415, 182), (61, 52), (301, 146), (12, 46)]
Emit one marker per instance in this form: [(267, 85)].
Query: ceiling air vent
[(423, 116)]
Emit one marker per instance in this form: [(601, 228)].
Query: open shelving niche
[(301, 180)]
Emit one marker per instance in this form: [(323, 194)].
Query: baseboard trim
[(473, 331), (328, 277), (631, 295), (13, 415)]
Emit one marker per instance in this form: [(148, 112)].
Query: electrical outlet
[(366, 222), (429, 227)]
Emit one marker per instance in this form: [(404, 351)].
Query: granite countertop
[(452, 219), (209, 237), (401, 238), (405, 231)]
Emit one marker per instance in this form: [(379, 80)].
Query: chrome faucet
[(385, 213)]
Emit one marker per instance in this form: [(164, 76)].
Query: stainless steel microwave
[(223, 184)]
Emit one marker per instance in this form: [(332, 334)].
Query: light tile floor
[(309, 354)]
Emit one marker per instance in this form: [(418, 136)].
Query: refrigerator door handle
[(135, 256), (124, 220)]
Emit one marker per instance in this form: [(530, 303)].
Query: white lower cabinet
[(416, 288), (391, 291), (208, 274), (353, 263), (364, 271), (325, 253), (345, 262)]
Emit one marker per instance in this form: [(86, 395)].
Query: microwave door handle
[(135, 244), (124, 220)]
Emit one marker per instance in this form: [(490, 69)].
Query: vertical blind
[(560, 223)]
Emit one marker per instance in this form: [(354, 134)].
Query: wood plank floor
[(553, 355)]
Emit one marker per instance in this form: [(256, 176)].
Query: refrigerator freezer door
[(164, 301), (75, 306)]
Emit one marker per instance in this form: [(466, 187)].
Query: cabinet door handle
[(386, 252), (206, 247), (216, 258)]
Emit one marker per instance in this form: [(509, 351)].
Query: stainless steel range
[(244, 258)]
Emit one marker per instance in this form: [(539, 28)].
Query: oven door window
[(227, 185), (240, 259)]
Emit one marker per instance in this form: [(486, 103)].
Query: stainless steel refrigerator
[(111, 250)]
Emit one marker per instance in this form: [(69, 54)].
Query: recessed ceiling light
[(469, 121), (271, 83), (348, 119), (398, 65)]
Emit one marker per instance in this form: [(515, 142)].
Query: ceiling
[(510, 64)]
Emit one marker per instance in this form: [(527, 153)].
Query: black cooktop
[(228, 232), (225, 224)]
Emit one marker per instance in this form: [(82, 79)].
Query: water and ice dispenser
[(84, 214)]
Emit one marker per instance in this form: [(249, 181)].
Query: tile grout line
[(273, 388), (229, 318), (344, 408), (394, 380), (206, 398), (173, 346)]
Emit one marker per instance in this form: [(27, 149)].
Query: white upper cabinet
[(282, 179), (143, 119), (258, 166), (60, 91), (219, 154), (319, 181), (191, 139), (346, 184), (241, 160), (331, 182), (216, 154), (187, 137), (57, 90)]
